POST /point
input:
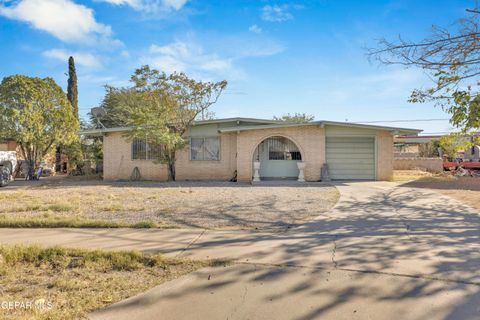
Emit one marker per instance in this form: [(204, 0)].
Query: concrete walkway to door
[(383, 252)]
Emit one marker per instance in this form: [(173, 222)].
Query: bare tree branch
[(451, 58)]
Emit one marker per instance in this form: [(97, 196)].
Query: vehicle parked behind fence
[(8, 163)]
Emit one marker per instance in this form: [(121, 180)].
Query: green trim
[(267, 126), (270, 124), (200, 122), (368, 126)]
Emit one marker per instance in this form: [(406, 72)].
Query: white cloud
[(190, 57), (150, 6), (276, 13), (175, 4), (182, 57), (81, 58), (262, 47), (255, 29), (63, 19)]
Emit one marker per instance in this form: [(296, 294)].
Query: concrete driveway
[(384, 252)]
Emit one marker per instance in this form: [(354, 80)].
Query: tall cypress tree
[(72, 90)]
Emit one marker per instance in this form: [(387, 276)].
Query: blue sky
[(278, 56)]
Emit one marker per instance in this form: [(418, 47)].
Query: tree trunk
[(171, 166)]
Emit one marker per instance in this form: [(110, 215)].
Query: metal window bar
[(278, 148), (205, 148), (139, 149), (145, 151)]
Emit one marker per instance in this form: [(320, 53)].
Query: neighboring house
[(9, 145), (219, 148), (411, 145)]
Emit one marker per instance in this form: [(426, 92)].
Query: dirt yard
[(464, 189), (212, 205)]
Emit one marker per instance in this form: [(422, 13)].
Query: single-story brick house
[(218, 149)]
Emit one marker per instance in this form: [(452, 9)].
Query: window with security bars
[(279, 148), (205, 148), (142, 150)]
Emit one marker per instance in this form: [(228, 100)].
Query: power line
[(410, 120)]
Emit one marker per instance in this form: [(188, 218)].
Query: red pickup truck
[(452, 165)]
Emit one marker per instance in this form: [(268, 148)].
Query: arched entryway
[(278, 157)]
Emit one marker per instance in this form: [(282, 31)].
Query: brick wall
[(118, 163), (222, 169), (236, 152), (309, 139), (384, 155), (428, 164)]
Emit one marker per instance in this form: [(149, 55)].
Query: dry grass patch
[(211, 205), (47, 221), (69, 283), (409, 175)]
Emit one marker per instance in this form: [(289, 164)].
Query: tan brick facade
[(384, 155), (223, 169), (236, 153), (118, 163), (309, 139)]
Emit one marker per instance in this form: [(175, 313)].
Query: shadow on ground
[(384, 252)]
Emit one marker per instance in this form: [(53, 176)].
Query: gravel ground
[(213, 205), (464, 189)]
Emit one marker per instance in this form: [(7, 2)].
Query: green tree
[(37, 115), (74, 151), (72, 89), (453, 143), (296, 117), (450, 56), (160, 108)]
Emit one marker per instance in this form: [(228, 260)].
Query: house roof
[(94, 132), (237, 119), (99, 132), (268, 124), (398, 130)]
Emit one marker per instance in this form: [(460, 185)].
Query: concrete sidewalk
[(381, 250), (250, 291)]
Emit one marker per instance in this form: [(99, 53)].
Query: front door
[(278, 158)]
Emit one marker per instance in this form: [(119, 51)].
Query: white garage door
[(351, 158)]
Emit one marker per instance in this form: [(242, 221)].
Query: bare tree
[(451, 57)]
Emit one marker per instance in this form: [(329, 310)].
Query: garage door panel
[(351, 172), (349, 152), (351, 157), (343, 148), (351, 167), (352, 177)]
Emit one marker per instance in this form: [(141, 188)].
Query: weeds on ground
[(60, 283), (46, 221)]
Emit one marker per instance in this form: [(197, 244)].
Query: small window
[(207, 148), (142, 150)]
